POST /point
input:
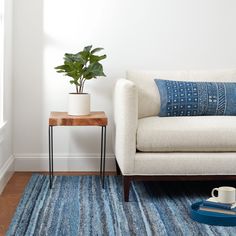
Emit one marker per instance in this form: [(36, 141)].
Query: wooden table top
[(95, 118)]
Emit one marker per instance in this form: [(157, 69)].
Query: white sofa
[(149, 147)]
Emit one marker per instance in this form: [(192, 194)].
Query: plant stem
[(83, 84), (79, 85)]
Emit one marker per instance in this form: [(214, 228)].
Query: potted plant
[(81, 67)]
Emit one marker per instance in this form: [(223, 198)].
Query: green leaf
[(103, 57), (84, 55), (82, 65), (88, 75), (88, 48), (76, 83), (72, 74), (102, 74), (94, 58), (68, 64), (78, 66), (96, 50), (78, 58), (68, 57), (62, 67), (94, 69)]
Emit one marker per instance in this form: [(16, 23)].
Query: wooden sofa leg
[(126, 182), (118, 172)]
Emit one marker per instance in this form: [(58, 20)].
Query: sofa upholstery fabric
[(197, 145), (126, 121), (184, 163), (187, 134), (148, 95)]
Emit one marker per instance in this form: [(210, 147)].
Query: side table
[(97, 118)]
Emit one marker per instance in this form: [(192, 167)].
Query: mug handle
[(213, 191)]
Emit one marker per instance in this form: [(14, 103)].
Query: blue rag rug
[(77, 205)]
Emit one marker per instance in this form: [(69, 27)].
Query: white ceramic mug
[(225, 194)]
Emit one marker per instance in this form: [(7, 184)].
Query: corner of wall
[(6, 171)]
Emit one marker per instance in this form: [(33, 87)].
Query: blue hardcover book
[(218, 205)]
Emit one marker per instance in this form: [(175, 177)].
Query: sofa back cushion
[(148, 94)]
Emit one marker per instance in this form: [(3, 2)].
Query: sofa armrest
[(125, 124)]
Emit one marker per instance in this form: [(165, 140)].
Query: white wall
[(6, 157), (154, 34)]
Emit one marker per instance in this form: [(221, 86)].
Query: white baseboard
[(82, 162), (6, 172)]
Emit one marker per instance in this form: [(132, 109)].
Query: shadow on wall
[(65, 32), (44, 31)]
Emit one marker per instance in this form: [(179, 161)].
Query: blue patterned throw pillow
[(182, 98)]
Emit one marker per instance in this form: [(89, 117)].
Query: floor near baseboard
[(11, 195)]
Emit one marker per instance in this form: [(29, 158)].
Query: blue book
[(218, 205), (216, 210)]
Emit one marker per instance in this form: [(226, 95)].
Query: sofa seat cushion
[(187, 134)]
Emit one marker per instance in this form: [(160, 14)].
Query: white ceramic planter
[(79, 104)]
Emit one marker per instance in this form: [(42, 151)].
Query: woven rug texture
[(78, 205)]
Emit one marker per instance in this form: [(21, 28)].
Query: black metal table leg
[(101, 161), (52, 151), (49, 155), (103, 155), (50, 139)]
